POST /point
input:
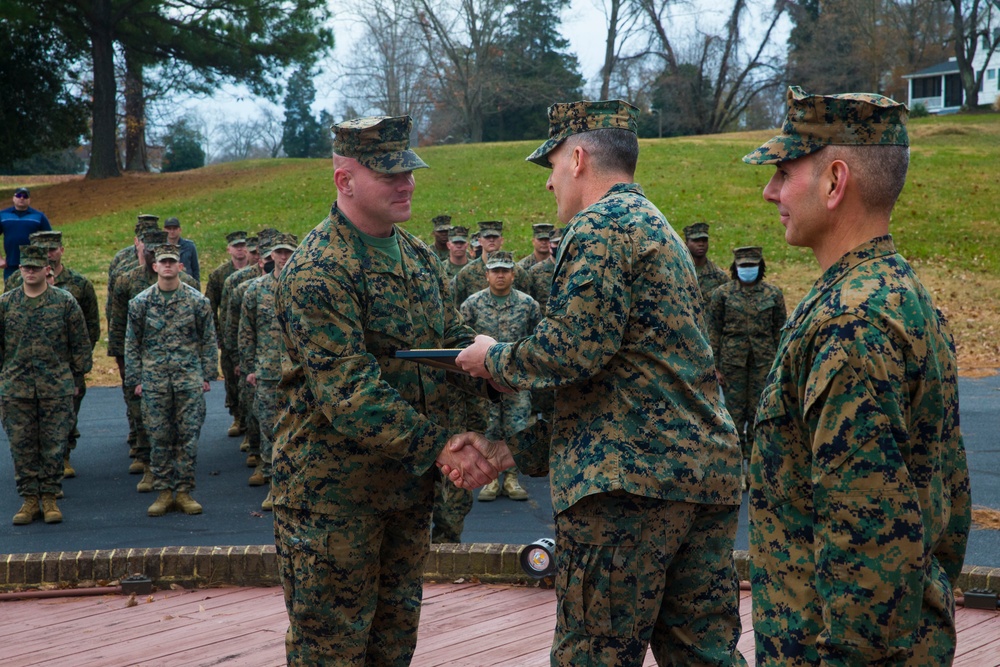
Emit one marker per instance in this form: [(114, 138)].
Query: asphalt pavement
[(102, 509)]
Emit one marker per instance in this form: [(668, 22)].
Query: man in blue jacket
[(17, 223)]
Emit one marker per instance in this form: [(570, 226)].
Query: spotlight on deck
[(538, 558)]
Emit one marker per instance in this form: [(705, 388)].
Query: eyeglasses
[(22, 195)]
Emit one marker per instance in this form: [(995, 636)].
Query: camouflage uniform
[(859, 486), (441, 223), (213, 291), (354, 449), (128, 286), (472, 279), (235, 289), (542, 230), (170, 350), (45, 353), (540, 281), (710, 277), (643, 459), (745, 324)]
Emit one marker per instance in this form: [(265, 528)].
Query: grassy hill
[(945, 222)]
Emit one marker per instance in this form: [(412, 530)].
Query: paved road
[(102, 510)]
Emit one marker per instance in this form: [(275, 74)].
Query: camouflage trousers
[(128, 394), (451, 506), (37, 429), (74, 433), (742, 391), (173, 420), (267, 402), (134, 405), (353, 584), (634, 572), (231, 380), (509, 416), (248, 415)]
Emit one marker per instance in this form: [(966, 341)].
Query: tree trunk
[(965, 50), (135, 115), (103, 150), (609, 51)]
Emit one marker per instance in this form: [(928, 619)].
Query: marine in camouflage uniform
[(458, 240), (745, 321), (124, 261), (171, 354), (472, 278), (710, 276), (442, 227), (354, 448), (643, 459), (127, 287), (507, 317), (262, 353), (213, 291), (540, 235), (45, 351), (859, 487)]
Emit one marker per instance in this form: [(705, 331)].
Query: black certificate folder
[(434, 357)]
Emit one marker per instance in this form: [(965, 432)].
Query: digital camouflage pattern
[(710, 277), (472, 278), (859, 487), (128, 286), (745, 323), (849, 119), (170, 350), (452, 270), (213, 292), (45, 352), (540, 281), (637, 400), (634, 572), (506, 320), (125, 260), (569, 118), (231, 345), (381, 143), (698, 230), (82, 290)]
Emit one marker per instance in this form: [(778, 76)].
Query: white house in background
[(939, 87)]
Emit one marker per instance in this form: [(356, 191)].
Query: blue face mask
[(747, 274)]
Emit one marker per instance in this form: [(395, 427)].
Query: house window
[(927, 87), (991, 74)]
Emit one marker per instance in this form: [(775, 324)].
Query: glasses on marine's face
[(21, 195)]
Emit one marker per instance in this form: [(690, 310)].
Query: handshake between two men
[(469, 460)]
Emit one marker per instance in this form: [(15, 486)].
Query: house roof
[(947, 67)]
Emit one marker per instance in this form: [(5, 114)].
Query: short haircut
[(614, 150), (760, 276), (878, 171)]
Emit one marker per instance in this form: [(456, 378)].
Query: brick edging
[(203, 567)]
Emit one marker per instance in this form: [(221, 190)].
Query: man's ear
[(344, 180), (835, 181)]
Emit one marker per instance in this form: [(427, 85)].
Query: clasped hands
[(469, 460)]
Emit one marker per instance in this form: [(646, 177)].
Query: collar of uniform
[(371, 259), (880, 246), (619, 188)]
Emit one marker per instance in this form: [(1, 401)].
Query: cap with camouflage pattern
[(748, 255), (145, 222), (236, 238), (284, 240), (557, 234), (442, 223), (490, 228), (500, 259), (48, 240), (566, 119), (698, 230), (381, 143), (542, 230), (152, 238), (167, 251), (458, 234), (849, 119), (252, 243), (474, 240), (34, 255)]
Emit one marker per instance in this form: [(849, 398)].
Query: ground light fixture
[(538, 558)]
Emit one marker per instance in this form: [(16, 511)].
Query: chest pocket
[(780, 452), (577, 285), (387, 324)]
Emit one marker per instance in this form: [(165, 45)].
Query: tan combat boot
[(145, 484), (163, 503), (490, 491), (512, 488), (245, 444), (68, 470), (49, 508), (268, 504), (257, 478), (235, 429), (187, 504), (29, 512), (137, 467), (253, 461)]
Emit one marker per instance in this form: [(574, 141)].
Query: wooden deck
[(473, 625)]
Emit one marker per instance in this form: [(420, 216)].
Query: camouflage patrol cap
[(252, 243), (442, 223), (152, 238), (458, 234), (542, 230), (474, 240), (34, 255), (381, 143), (557, 234), (236, 238), (849, 119), (500, 259), (146, 222), (167, 251), (47, 240), (284, 240), (698, 230), (748, 255), (566, 119), (490, 228)]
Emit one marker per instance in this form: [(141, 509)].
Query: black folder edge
[(443, 359)]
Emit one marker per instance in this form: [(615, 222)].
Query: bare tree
[(975, 26), (621, 18), (271, 131), (461, 41)]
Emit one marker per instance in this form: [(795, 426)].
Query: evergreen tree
[(303, 135), (182, 149)]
